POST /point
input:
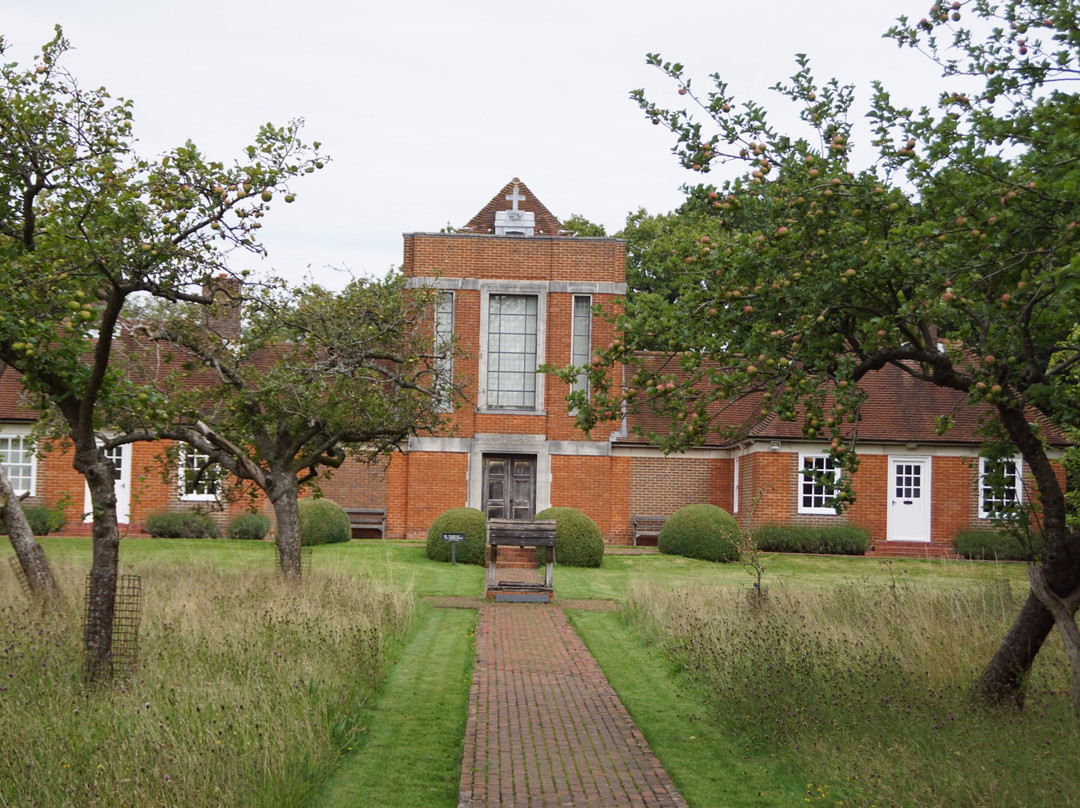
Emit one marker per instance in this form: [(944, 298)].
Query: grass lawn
[(706, 761), (404, 565), (406, 748), (408, 753)]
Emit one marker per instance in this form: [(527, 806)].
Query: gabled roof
[(484, 221), (898, 409)]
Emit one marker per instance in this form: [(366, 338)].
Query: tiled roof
[(14, 403), (484, 221), (147, 362), (898, 409)]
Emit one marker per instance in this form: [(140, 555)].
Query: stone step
[(911, 549)]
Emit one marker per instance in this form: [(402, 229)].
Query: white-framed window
[(18, 459), (1000, 487), (735, 487), (444, 349), (818, 480), (581, 341), (196, 487), (511, 352)]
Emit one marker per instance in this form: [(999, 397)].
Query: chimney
[(223, 315)]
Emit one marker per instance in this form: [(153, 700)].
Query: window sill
[(506, 411)]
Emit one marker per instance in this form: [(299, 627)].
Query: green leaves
[(789, 283)]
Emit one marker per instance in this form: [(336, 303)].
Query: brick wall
[(357, 484), (584, 483), (662, 485), (420, 486)]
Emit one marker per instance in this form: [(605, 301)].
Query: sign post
[(453, 538)]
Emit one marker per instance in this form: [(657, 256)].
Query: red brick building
[(517, 291)]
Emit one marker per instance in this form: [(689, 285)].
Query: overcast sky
[(428, 108)]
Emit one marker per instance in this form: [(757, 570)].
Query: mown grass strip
[(409, 753), (707, 763)]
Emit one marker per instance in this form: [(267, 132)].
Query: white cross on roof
[(515, 197)]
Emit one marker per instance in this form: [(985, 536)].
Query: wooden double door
[(509, 486)]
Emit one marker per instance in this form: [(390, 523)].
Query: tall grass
[(867, 687), (246, 692)]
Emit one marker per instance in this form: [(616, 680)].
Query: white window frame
[(9, 434), (580, 358), (444, 348), (802, 481), (522, 288), (1018, 487), (181, 474), (735, 486)]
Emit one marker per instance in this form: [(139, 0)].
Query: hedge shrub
[(249, 526), (838, 540), (578, 540), (701, 531), (323, 521), (43, 519), (181, 525), (993, 545), (469, 521)]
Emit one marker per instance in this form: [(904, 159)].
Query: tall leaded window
[(17, 457), (818, 478), (999, 487), (511, 352), (444, 349), (198, 480), (581, 341)]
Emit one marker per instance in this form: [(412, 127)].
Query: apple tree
[(953, 255), (312, 378), (86, 225)]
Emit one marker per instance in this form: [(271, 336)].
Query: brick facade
[(610, 474)]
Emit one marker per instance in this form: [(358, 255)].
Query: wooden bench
[(646, 527), (367, 519), (512, 533)]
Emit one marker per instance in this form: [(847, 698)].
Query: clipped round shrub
[(468, 521), (701, 531), (323, 521), (578, 540), (249, 526), (181, 525)]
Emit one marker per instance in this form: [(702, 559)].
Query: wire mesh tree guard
[(305, 559), (20, 575), (127, 612)]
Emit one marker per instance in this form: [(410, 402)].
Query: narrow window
[(581, 341), (511, 352), (818, 478), (17, 457), (735, 488), (197, 481), (999, 488), (444, 350)]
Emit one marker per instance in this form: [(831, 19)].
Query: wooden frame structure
[(513, 533)]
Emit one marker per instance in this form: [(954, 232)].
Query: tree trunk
[(97, 639), (286, 493), (1064, 612), (34, 565), (1002, 682)]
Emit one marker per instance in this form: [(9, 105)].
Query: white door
[(121, 460), (909, 499)]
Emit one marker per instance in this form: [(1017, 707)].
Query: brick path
[(545, 728)]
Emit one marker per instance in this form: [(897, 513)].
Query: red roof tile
[(898, 409), (484, 221)]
